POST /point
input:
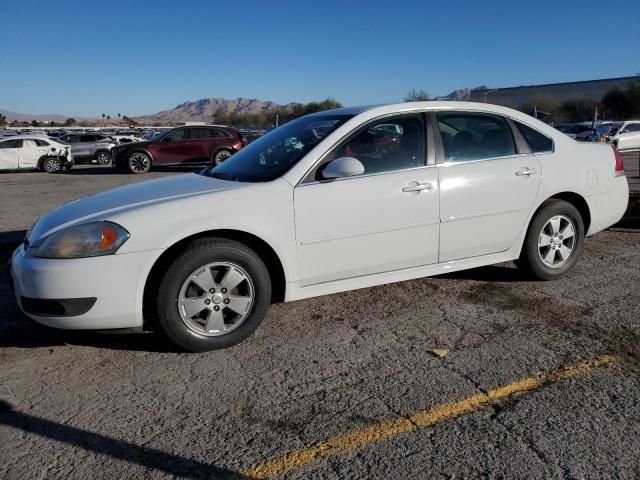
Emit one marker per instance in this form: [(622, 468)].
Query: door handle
[(525, 172), (416, 187)]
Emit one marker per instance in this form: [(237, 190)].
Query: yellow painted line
[(387, 428)]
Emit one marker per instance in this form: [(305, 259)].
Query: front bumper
[(115, 281)]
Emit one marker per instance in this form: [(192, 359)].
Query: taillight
[(619, 169)]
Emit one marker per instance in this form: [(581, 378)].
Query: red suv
[(201, 145)]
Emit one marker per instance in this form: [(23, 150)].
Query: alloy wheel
[(557, 241), (103, 158), (216, 299), (52, 165), (139, 163)]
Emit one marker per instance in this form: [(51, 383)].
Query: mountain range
[(204, 109)]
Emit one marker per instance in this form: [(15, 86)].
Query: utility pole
[(277, 120), (487, 92)]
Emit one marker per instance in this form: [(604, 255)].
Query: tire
[(554, 242), (139, 162), (103, 157), (194, 308), (52, 165), (220, 156)]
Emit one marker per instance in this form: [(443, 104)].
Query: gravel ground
[(107, 406)]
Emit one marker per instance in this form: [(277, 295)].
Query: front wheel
[(220, 156), (214, 295), (103, 157), (52, 165), (139, 162), (554, 241)]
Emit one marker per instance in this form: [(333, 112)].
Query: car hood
[(139, 143), (108, 203)]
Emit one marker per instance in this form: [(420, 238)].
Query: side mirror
[(342, 167)]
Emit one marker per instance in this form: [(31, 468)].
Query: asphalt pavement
[(534, 379)]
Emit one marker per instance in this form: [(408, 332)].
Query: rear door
[(174, 148), (488, 183), (204, 141), (9, 154), (84, 148), (30, 153)]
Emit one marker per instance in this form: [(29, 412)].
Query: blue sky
[(85, 58)]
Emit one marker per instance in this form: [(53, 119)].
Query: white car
[(628, 136), (126, 138), (325, 203), (34, 153)]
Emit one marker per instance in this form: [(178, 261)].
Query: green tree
[(579, 109), (35, 123), (414, 95), (623, 104), (3, 119), (70, 122)]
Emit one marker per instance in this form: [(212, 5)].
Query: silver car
[(86, 147)]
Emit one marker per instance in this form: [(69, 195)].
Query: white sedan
[(333, 201), (34, 153), (627, 138)]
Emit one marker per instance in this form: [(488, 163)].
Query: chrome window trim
[(449, 163), (365, 175)]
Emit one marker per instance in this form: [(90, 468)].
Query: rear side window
[(219, 133), (538, 142), (202, 133), (470, 136), (88, 138)]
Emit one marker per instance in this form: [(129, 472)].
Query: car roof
[(26, 137)]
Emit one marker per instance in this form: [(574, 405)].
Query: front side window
[(538, 142), (42, 143), (273, 154), (470, 136), (88, 138), (388, 145), (16, 143), (177, 135)]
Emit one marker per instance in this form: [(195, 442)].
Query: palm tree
[(118, 118), (108, 118), (103, 115)]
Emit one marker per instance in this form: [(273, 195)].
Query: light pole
[(487, 92)]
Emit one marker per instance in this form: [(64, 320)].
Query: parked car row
[(624, 136), (127, 150)]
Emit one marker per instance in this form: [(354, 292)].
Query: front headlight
[(87, 240)]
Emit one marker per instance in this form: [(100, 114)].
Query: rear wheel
[(103, 157), (214, 295), (554, 242), (139, 162), (52, 165), (220, 156)]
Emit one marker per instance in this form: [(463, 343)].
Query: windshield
[(273, 154)]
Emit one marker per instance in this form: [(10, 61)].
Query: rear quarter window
[(538, 142)]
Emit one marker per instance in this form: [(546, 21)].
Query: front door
[(30, 153), (383, 220), (487, 188), (10, 154)]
